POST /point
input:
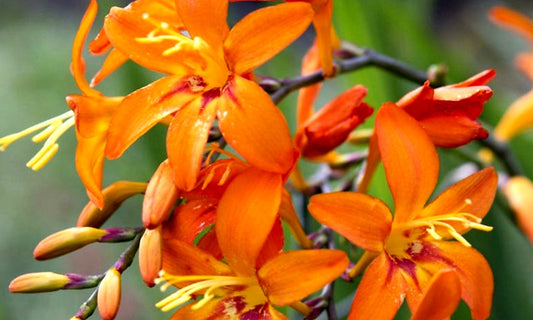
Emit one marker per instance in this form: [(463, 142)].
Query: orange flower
[(519, 116), (329, 127), (209, 79), (455, 108), (256, 276), (411, 247), (92, 112)]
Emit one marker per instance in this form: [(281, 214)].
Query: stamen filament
[(50, 125), (206, 286)]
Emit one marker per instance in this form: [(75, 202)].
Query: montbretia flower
[(209, 69), (412, 245), (519, 116), (255, 276)]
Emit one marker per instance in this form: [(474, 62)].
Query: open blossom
[(519, 115), (209, 79), (412, 245), (255, 275)]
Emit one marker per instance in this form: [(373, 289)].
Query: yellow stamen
[(52, 129), (203, 284), (468, 220)]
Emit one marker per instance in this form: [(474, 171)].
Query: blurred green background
[(35, 41)]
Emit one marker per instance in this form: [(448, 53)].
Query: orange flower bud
[(114, 195), (329, 127), (109, 295), (161, 195), (150, 255), (519, 192), (66, 241), (38, 282)]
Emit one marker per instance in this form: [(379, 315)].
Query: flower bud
[(109, 295), (114, 196), (519, 192), (329, 127), (161, 195), (150, 255), (38, 282), (66, 241)]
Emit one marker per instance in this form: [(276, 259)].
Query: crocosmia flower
[(413, 244), (209, 78), (255, 276)]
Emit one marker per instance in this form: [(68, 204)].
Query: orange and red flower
[(209, 78), (411, 246)]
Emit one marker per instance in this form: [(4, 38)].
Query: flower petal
[(125, 28), (473, 194), (380, 293), (410, 160), (277, 25), (475, 275), (294, 275), (190, 219), (186, 139), (459, 130), (180, 258), (364, 220), (245, 216), (255, 127), (517, 118), (441, 298), (513, 20), (111, 63), (205, 19), (142, 109)]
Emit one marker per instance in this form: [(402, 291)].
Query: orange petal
[(124, 28), (307, 95), (473, 194), (324, 33), (513, 20), (475, 275), (459, 130), (78, 66), (180, 258), (206, 312), (380, 292), (517, 118), (371, 164), (294, 275), (142, 109), (190, 219), (364, 220), (277, 25), (90, 166), (100, 43), (410, 160), (205, 19), (255, 127), (273, 245), (519, 192), (524, 63), (245, 216), (479, 79), (186, 140), (111, 63), (441, 298)]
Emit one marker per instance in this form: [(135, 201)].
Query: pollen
[(51, 130)]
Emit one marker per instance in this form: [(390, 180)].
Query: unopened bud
[(150, 255), (331, 126), (161, 195), (66, 241), (109, 295), (519, 192), (114, 195), (38, 282)]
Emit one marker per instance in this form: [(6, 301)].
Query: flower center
[(208, 286), (193, 53), (52, 129)]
